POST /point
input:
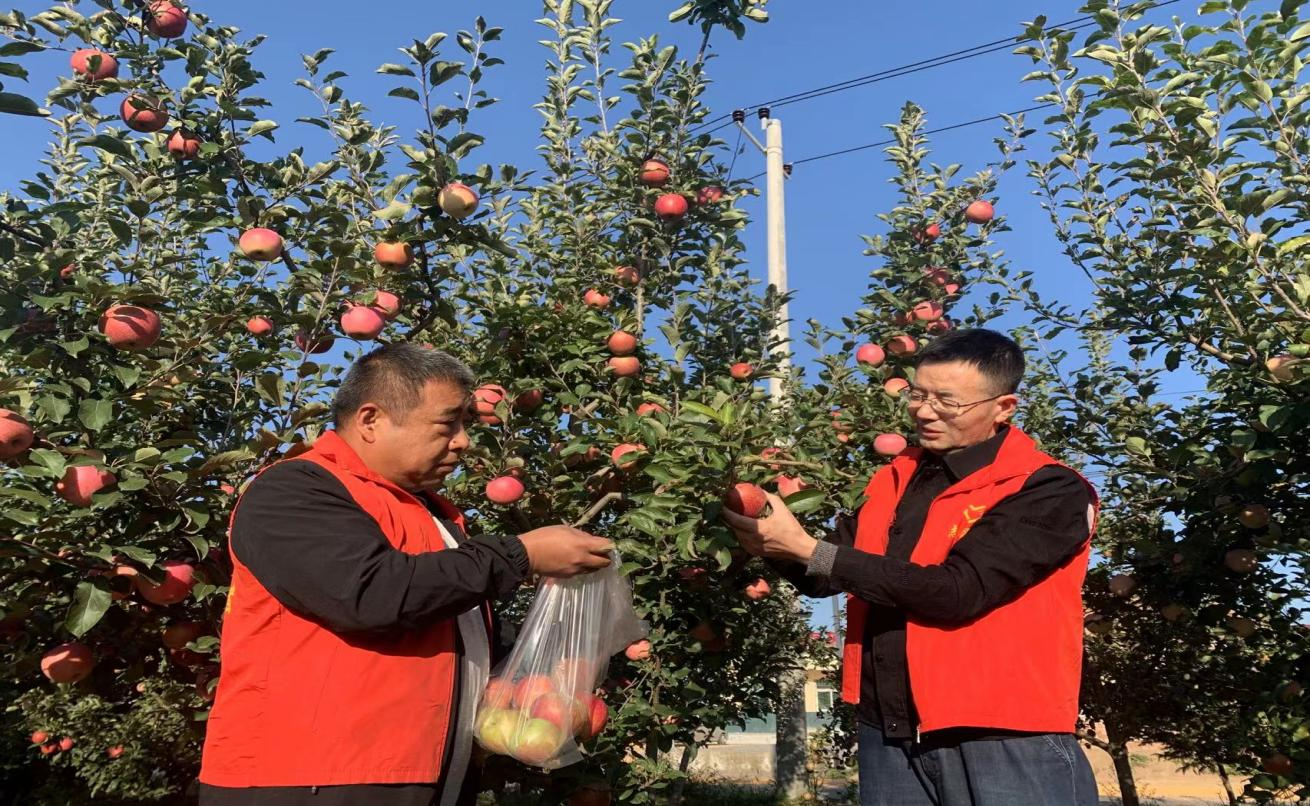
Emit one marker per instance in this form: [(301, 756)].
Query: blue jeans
[(1049, 769)]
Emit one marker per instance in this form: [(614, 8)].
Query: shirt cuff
[(820, 564), (517, 553)]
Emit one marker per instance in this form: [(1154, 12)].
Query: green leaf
[(106, 142), (262, 127), (51, 460), (405, 92), (803, 501), (14, 104), (90, 603), (396, 70), (95, 414), (701, 409), (393, 211), (1138, 446), (681, 12), (20, 48)]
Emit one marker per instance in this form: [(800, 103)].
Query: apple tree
[(1174, 186)]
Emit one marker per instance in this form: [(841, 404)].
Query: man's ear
[(366, 420), (1008, 405)]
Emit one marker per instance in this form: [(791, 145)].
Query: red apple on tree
[(870, 355), (927, 234), (485, 400), (759, 589), (638, 650), (81, 482), (671, 207), (504, 490), (1122, 584), (260, 243), (1242, 561), (1281, 366), (183, 144), (654, 173), (627, 449), (362, 322), (937, 275), (647, 409), (66, 744), (387, 304), (894, 386), (625, 366), (68, 662), (166, 20), (93, 64), (928, 310), (788, 485), (741, 371), (627, 275), (979, 212), (458, 200), (1277, 764), (143, 113), (595, 299), (313, 346), (746, 499), (179, 578), (621, 342), (709, 195), (889, 444), (39, 737), (939, 325), (1254, 516), (115, 751), (15, 434), (178, 634), (530, 400), (393, 254), (130, 327), (259, 326), (902, 344)]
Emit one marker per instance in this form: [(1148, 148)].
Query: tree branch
[(596, 508)]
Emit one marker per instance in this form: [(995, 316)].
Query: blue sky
[(804, 45)]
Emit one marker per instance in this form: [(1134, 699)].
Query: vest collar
[(337, 451), (1012, 450)]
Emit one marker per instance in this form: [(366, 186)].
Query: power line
[(892, 140), (909, 69)]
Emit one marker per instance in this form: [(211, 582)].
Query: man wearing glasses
[(964, 572)]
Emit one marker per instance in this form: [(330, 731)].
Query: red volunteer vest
[(1017, 667), (300, 705)]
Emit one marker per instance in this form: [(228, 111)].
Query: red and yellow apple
[(183, 144), (746, 499), (179, 578), (485, 400), (621, 342), (143, 113), (260, 243), (393, 254), (81, 482), (504, 490), (458, 200), (105, 66), (870, 355), (638, 650), (596, 299), (979, 212), (671, 206), (362, 322), (759, 589), (627, 275), (625, 366), (654, 173), (166, 20), (741, 371), (889, 444), (68, 663), (130, 327), (620, 453)]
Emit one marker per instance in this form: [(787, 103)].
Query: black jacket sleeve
[(314, 549), (1016, 544), (842, 534)]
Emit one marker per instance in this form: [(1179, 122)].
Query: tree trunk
[(1123, 767), (790, 742), (688, 755), (1228, 785)]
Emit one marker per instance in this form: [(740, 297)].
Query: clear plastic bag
[(541, 704)]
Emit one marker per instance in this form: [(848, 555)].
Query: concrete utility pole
[(776, 173), (791, 737)]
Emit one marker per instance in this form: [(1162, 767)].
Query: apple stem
[(596, 508)]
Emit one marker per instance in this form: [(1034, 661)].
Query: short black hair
[(393, 376), (997, 356)]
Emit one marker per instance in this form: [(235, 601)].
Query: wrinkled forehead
[(444, 398), (953, 378)]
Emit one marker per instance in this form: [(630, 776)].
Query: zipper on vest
[(918, 737)]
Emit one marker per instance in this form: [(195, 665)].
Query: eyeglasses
[(947, 409)]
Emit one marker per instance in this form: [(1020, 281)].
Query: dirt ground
[(1160, 781)]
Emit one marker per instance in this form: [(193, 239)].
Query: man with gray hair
[(356, 638)]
